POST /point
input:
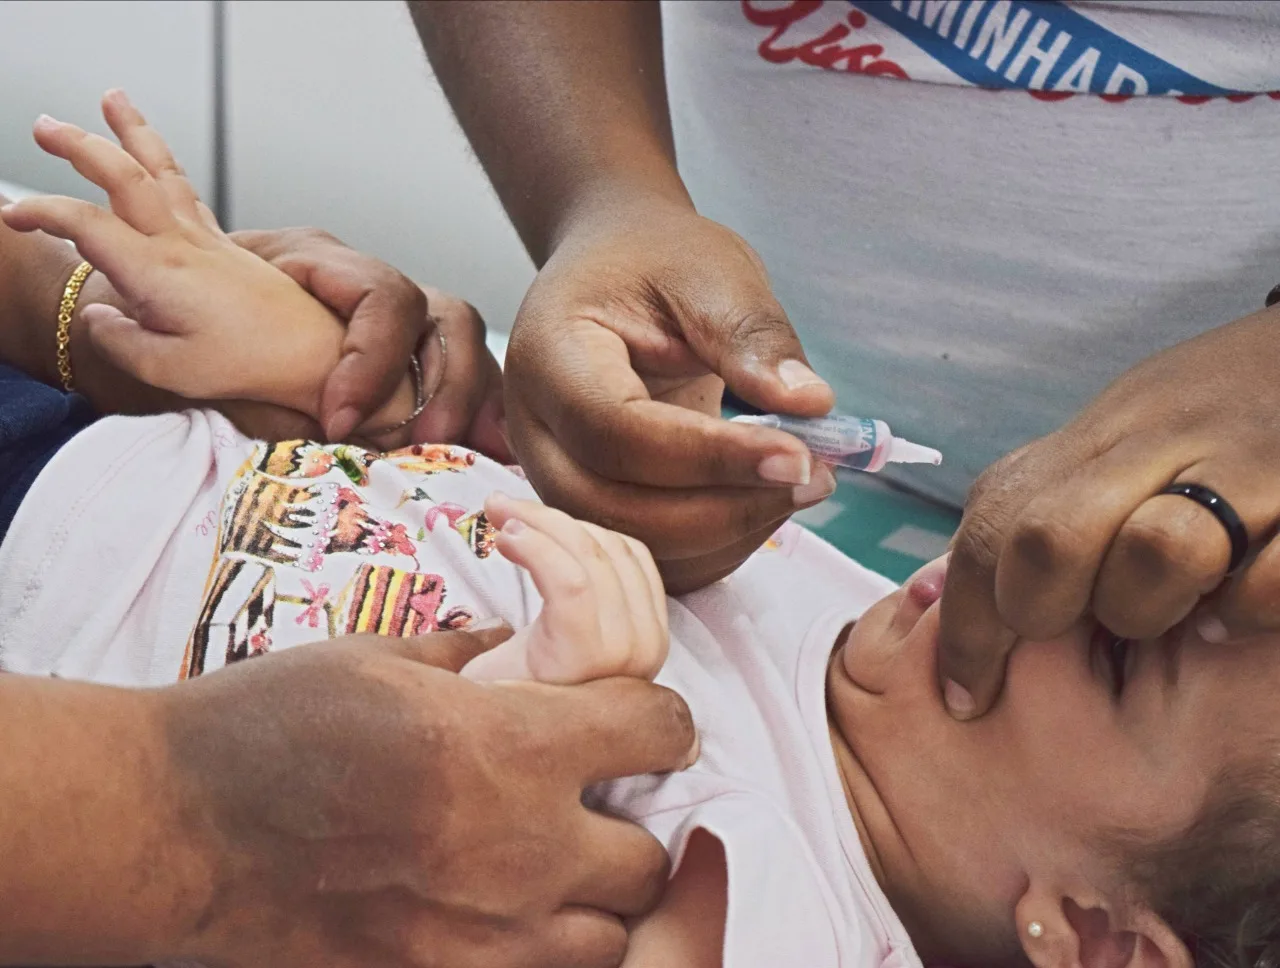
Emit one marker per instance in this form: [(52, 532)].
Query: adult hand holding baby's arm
[(386, 316), (358, 804), (207, 319)]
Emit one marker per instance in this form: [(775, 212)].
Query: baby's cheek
[(1057, 724), (872, 645)]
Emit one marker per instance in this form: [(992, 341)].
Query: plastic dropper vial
[(857, 442)]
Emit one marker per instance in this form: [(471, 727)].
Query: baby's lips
[(925, 586)]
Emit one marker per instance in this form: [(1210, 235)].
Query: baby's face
[(1090, 737)]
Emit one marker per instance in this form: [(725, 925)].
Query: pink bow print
[(319, 597)]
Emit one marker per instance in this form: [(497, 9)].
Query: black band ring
[(1217, 505)]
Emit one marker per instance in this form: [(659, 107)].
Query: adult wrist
[(611, 202), (41, 342), (46, 269), (105, 871), (188, 840)]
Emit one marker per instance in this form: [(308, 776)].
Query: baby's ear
[(1058, 931)]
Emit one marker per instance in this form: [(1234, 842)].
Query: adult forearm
[(34, 270), (565, 103), (93, 869)]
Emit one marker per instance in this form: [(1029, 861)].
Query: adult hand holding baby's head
[(391, 813), (1083, 520)]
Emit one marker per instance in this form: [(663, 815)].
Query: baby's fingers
[(157, 359), (645, 600), (632, 635), (146, 145), (101, 238), (135, 196), (653, 579), (565, 646)]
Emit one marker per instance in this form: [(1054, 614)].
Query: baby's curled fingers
[(151, 151), (628, 628), (565, 644), (646, 603), (134, 194), (653, 578)]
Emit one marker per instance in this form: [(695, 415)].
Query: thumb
[(973, 640), (148, 356), (973, 648), (755, 350), (375, 358), (450, 650)]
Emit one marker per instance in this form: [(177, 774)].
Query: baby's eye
[(1118, 658)]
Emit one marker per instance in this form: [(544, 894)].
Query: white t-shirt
[(974, 265), (153, 549)]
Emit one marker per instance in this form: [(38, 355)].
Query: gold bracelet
[(68, 306)]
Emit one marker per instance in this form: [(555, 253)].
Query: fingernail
[(819, 488), (44, 121), (958, 699), (514, 526), (784, 469), (487, 625), (7, 207), (795, 375), (1211, 629), (343, 422)]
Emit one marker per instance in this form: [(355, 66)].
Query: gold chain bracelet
[(70, 295)]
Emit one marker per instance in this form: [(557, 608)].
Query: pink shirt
[(152, 549)]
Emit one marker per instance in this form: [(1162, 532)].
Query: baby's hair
[(1218, 884)]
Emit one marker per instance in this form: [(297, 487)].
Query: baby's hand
[(210, 320), (604, 612)]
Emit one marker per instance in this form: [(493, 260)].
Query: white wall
[(336, 121), (59, 58)]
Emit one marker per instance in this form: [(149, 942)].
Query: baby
[(1120, 806)]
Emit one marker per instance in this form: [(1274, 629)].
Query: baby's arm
[(209, 319), (604, 612)]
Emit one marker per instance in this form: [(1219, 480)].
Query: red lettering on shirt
[(792, 39), (826, 50)]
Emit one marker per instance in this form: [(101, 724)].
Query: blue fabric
[(35, 422)]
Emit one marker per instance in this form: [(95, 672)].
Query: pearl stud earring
[(1035, 929)]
